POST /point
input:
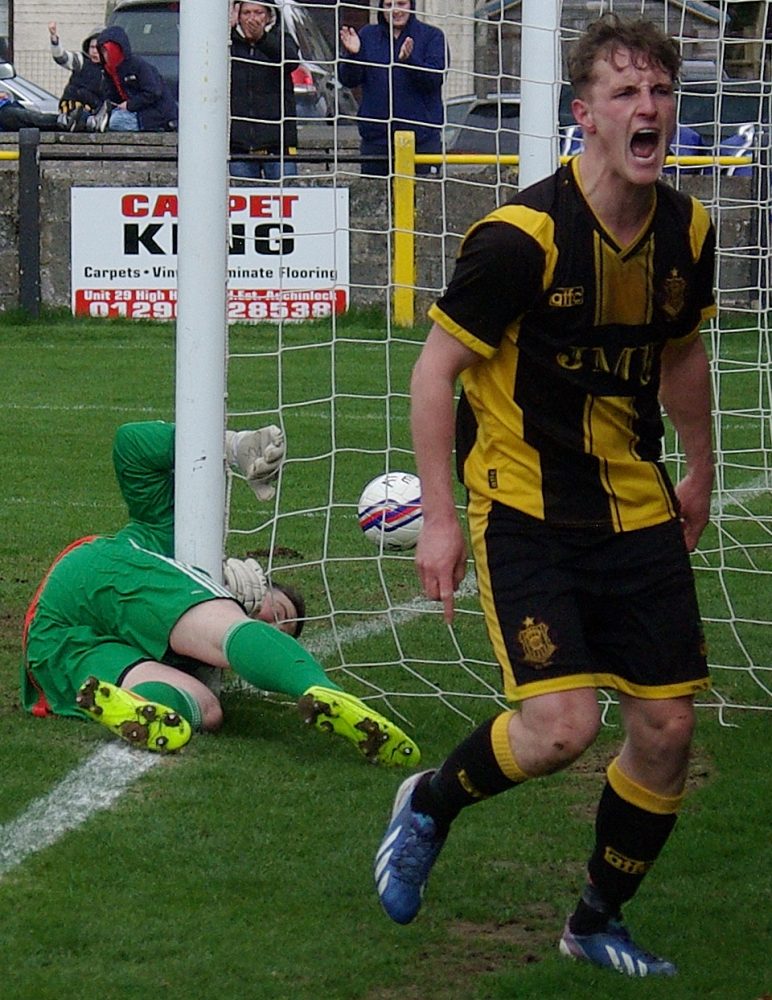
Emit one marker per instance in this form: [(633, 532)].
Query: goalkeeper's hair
[(298, 600), (645, 40)]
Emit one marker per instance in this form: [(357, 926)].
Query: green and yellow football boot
[(141, 723), (377, 739)]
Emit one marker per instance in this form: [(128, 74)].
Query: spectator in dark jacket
[(400, 65), (84, 88), (263, 111), (140, 98)]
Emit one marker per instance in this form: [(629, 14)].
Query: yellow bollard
[(404, 228)]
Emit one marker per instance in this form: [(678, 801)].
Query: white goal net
[(339, 386)]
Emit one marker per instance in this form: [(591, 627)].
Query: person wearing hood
[(400, 64), (139, 97), (263, 110), (84, 88)]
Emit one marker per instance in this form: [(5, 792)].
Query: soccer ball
[(390, 510)]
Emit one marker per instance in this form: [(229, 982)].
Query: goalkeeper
[(118, 628)]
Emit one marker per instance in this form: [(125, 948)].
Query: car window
[(565, 114), (456, 110), (703, 109), (489, 115), (30, 90), (28, 93), (310, 40), (151, 31)]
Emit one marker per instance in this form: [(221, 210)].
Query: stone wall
[(444, 210)]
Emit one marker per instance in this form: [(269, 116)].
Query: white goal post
[(340, 390)]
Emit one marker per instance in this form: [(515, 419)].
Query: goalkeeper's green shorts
[(106, 606)]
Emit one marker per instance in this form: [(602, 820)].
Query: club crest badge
[(675, 294), (536, 644)]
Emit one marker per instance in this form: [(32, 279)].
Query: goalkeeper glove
[(258, 456), (246, 580)]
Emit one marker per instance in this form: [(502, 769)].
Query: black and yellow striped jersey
[(560, 416)]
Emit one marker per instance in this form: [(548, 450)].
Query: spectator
[(263, 112), (13, 116), (84, 89), (400, 65), (139, 99)]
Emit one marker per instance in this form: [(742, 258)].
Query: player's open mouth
[(644, 143)]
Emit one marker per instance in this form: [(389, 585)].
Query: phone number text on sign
[(244, 304)]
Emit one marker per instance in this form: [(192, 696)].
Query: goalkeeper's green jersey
[(109, 602)]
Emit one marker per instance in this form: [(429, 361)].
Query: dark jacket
[(147, 93), (85, 86), (262, 89), (409, 93)]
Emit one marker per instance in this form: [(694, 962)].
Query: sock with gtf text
[(481, 766), (631, 828), (179, 701), (271, 660)]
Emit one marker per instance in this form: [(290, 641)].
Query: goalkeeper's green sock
[(271, 660), (176, 699)]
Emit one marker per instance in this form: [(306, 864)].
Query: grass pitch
[(241, 867)]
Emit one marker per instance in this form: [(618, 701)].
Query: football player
[(573, 312), (119, 628)]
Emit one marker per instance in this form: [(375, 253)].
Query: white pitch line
[(363, 630), (756, 487), (103, 777), (78, 408), (93, 785)]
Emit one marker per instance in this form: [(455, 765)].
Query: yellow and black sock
[(480, 767), (631, 828)]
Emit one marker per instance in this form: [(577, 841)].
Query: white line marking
[(325, 645), (93, 785), (101, 779), (79, 408), (752, 490)]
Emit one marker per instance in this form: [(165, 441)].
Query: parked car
[(718, 114), (491, 124), (154, 32), (27, 93)]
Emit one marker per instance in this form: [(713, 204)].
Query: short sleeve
[(499, 274)]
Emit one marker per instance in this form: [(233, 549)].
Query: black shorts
[(568, 608)]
